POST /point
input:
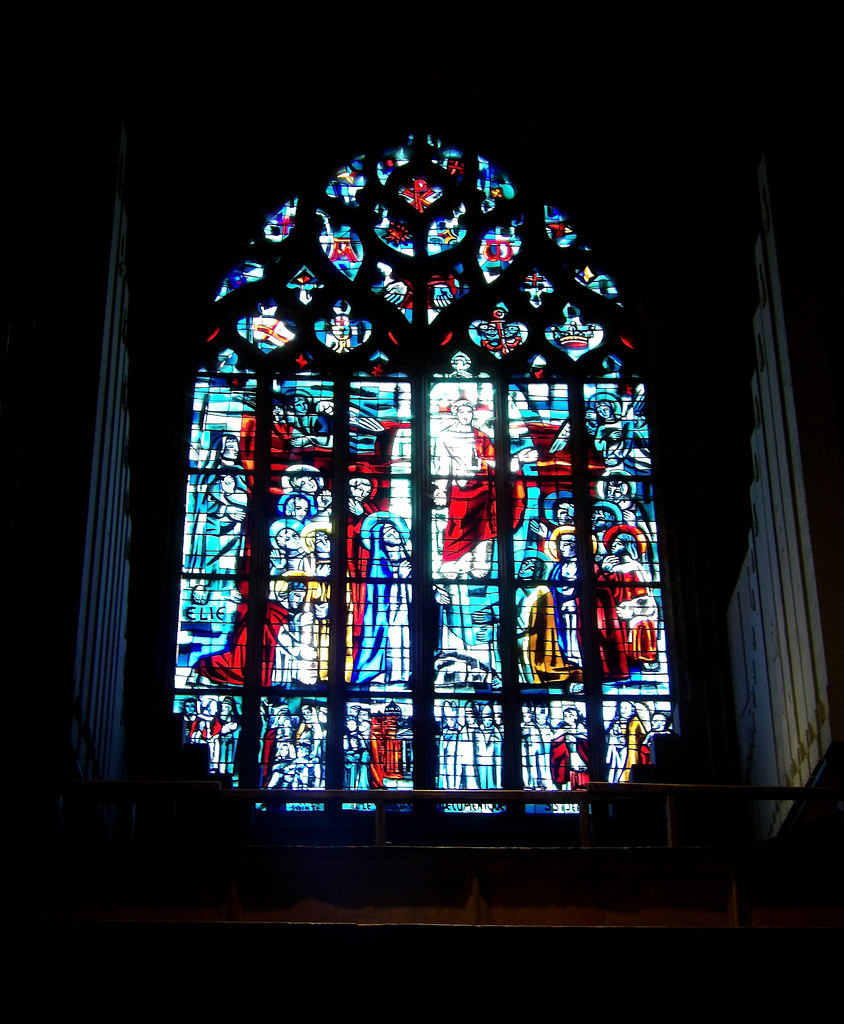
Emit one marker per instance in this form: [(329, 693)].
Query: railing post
[(671, 819), (585, 830), (380, 823)]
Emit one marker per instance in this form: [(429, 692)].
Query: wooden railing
[(196, 794)]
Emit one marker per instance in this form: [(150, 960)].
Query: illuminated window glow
[(420, 500)]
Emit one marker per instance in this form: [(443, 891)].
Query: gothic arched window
[(420, 545)]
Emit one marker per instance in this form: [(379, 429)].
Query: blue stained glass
[(303, 415), (498, 335), (382, 660), (631, 726), (558, 227), (212, 721), (469, 749), (341, 333), (555, 751), (468, 657), (268, 331), (282, 222), (221, 408), (442, 291), (597, 282), (494, 184), (337, 608), (464, 522), (378, 745), (498, 248), (341, 245), (392, 159), (207, 610), (218, 487), (306, 283), (394, 231), (612, 366), (225, 361), (626, 567), (537, 287), (243, 273), (348, 181), (396, 291), (548, 625), (631, 502), (420, 193), (616, 418), (378, 360), (445, 232), (216, 510), (379, 567), (450, 160), (461, 367), (572, 336), (293, 746)]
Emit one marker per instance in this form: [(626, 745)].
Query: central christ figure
[(464, 471), (464, 467)]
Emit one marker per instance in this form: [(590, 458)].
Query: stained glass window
[(420, 545)]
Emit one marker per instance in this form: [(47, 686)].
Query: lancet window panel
[(420, 544)]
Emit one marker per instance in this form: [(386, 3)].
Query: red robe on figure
[(561, 769), (472, 514), (227, 668)]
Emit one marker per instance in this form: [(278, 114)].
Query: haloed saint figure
[(383, 659), (464, 465)]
